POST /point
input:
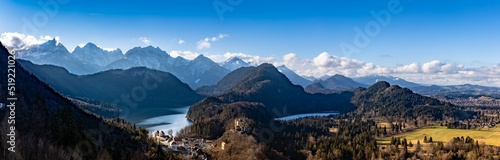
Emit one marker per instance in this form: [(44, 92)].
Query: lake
[(167, 122), (297, 116), (177, 121)]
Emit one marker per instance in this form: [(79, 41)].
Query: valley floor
[(489, 136)]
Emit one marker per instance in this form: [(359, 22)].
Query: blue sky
[(460, 33)]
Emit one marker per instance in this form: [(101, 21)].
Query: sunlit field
[(441, 133)]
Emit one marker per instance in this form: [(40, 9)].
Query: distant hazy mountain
[(198, 72), (201, 71), (266, 85), (149, 57), (53, 52), (228, 82), (44, 52), (146, 92), (333, 84), (294, 77), (91, 59), (92, 55), (466, 89), (58, 127), (310, 78), (372, 79), (234, 63)]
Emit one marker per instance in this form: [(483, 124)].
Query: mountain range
[(372, 79), (234, 63), (91, 59), (92, 55), (139, 90), (336, 83), (202, 71), (433, 90), (55, 53)]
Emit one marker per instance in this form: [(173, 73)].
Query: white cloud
[(203, 44), (291, 59), (433, 72), (181, 41), (184, 54), (432, 67), (325, 60), (207, 42), (493, 70), (325, 64), (145, 40), (301, 66), (411, 68), (14, 40), (451, 68), (436, 66)]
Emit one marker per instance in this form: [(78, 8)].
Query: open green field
[(441, 133)]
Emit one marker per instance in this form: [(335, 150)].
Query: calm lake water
[(175, 122), (297, 116), (167, 122)]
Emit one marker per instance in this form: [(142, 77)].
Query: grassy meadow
[(441, 133)]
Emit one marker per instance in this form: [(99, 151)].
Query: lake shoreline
[(303, 115)]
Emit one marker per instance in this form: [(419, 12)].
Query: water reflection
[(175, 122), (297, 116)]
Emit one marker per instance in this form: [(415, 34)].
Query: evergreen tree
[(385, 130)]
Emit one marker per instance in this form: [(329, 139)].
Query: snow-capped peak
[(147, 51), (234, 60), (201, 57), (51, 47), (93, 54), (51, 43), (90, 45), (234, 63)]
